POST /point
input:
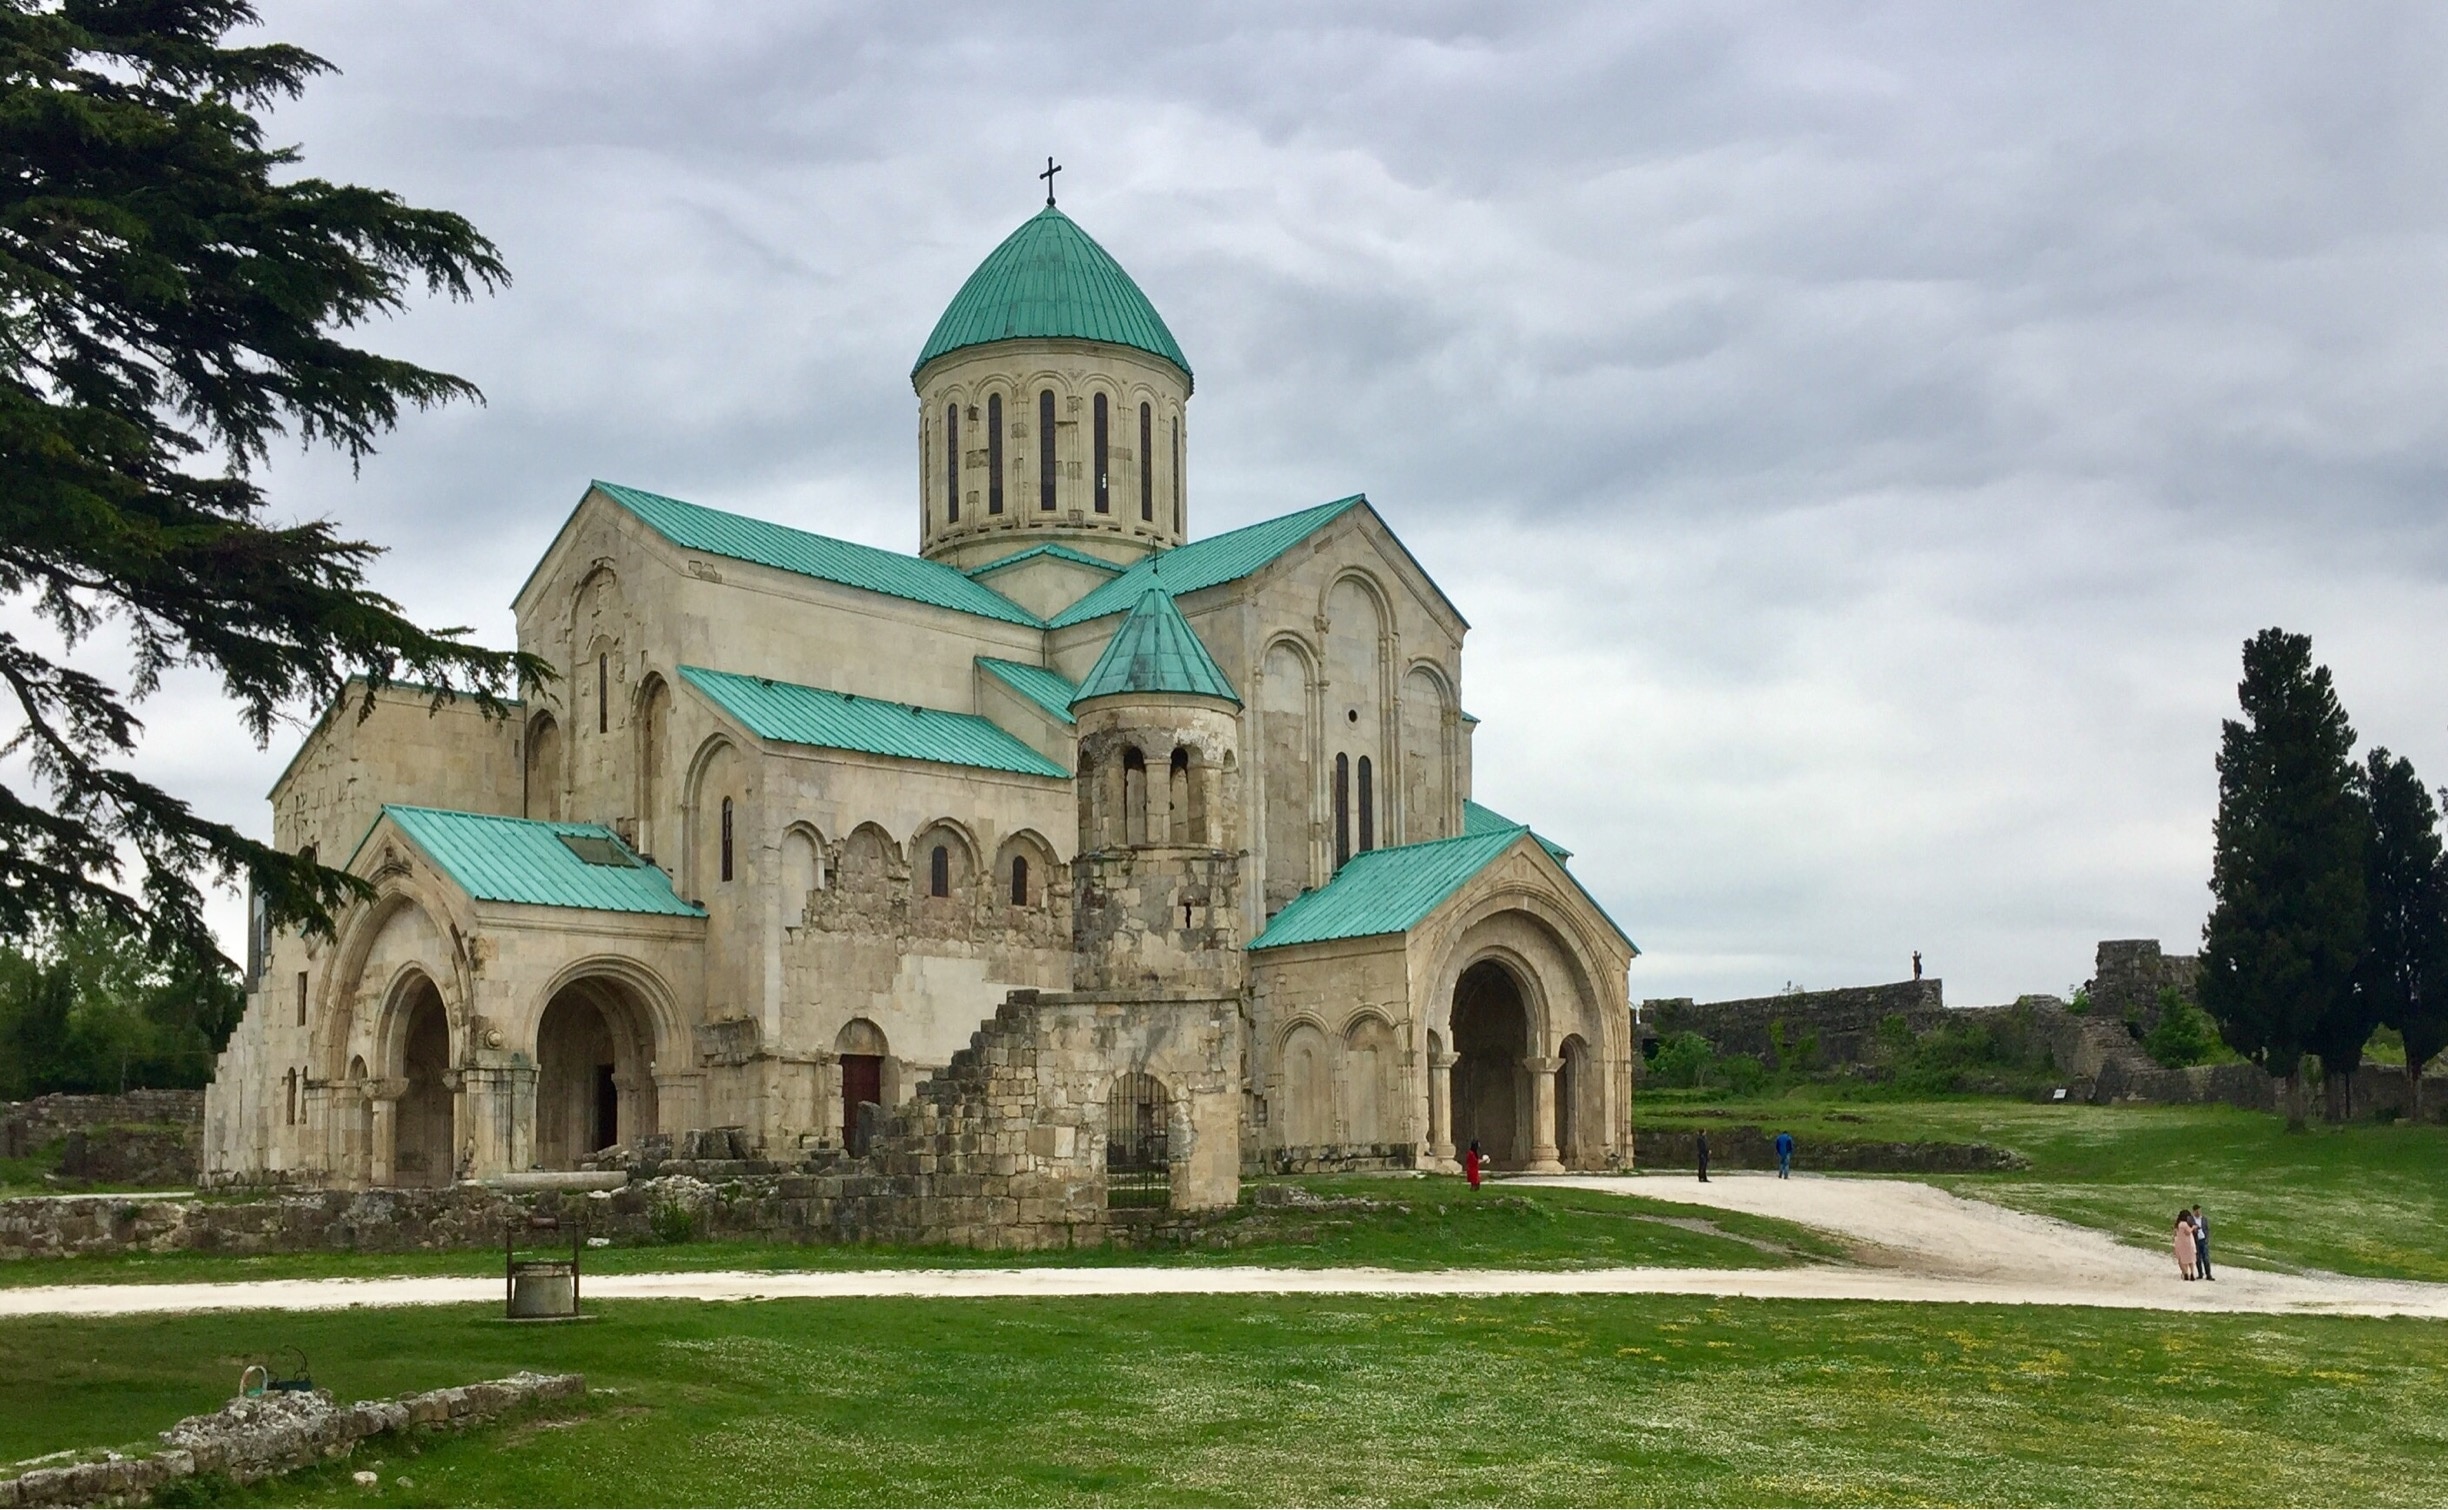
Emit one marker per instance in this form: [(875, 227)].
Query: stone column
[(383, 1098), (1543, 1151), (495, 1127), (1440, 1106)]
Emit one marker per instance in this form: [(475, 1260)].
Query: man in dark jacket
[(1784, 1148), (1704, 1158)]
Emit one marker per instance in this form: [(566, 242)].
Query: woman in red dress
[(1470, 1164)]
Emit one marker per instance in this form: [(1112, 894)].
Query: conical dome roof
[(1155, 651), (1049, 279)]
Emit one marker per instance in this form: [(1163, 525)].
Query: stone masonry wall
[(255, 1438), (2127, 976), (1846, 1019), (143, 1137)]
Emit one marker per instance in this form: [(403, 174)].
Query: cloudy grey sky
[(1861, 436)]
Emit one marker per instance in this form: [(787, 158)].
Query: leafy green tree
[(2404, 974), (2184, 1034), (172, 298), (2286, 921), (99, 1009)]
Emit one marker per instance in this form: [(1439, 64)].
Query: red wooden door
[(862, 1080)]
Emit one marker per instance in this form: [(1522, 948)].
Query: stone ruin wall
[(1846, 1019), (1004, 1148), (142, 1137), (2128, 975)]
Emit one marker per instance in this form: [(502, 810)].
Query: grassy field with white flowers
[(1325, 1401)]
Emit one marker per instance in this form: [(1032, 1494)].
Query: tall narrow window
[(1134, 797), (301, 999), (1368, 806), (290, 1080), (994, 453), (1045, 449), (727, 850), (952, 464), (603, 694), (1019, 880), (1177, 508), (1147, 464), (1342, 810), (1104, 498), (939, 872)]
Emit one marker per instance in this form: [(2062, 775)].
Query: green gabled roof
[(1393, 890), (496, 859), (1050, 280), (1155, 650), (1059, 552), (1486, 820), (829, 720), (695, 527), (1385, 890), (1050, 690), (1205, 563)]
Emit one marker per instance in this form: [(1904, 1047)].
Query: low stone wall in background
[(1844, 1021), (134, 1138), (1755, 1148), (254, 1438)]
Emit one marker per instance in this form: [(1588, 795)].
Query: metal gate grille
[(1138, 1169)]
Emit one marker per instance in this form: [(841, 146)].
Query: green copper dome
[(1049, 279)]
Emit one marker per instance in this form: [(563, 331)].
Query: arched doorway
[(425, 1134), (863, 1052), (594, 1072), (1491, 1093), (1576, 1129)]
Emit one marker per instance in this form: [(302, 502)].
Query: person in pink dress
[(2184, 1243)]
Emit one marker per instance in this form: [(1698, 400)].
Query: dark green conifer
[(173, 295), (2404, 975), (2285, 933)]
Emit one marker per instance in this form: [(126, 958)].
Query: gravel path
[(1915, 1242)]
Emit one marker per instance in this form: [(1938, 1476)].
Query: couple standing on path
[(1784, 1153), (2193, 1243)]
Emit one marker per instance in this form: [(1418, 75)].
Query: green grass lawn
[(1313, 1400), (1414, 1224), (2366, 1198)]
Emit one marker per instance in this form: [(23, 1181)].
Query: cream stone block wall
[(405, 751), (1075, 372), (1312, 1008)]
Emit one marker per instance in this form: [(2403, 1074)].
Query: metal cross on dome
[(1052, 168)]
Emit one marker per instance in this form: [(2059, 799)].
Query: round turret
[(1051, 400)]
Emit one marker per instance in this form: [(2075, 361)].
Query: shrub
[(671, 1222), (1742, 1073), (1682, 1061), (2079, 1002), (2185, 1035)]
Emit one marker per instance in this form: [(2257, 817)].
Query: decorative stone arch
[(1305, 1055), (805, 868), (1545, 948), (1370, 1081), (699, 868), (547, 765), (411, 1117), (1493, 1016), (340, 1028), (961, 862), (1035, 891), (1580, 1119), (595, 1035), (650, 714), (1365, 580), (868, 1075), (1428, 722), (1289, 762), (1145, 1124)]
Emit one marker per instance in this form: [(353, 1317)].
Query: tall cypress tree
[(2287, 916), (2404, 975)]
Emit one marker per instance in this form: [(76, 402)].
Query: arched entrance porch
[(1491, 1090), (424, 1117), (594, 1071)]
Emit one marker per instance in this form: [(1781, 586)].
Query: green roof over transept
[(538, 864), (1049, 280), (824, 719), (1206, 563), (1155, 650)]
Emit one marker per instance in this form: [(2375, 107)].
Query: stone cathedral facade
[(800, 819)]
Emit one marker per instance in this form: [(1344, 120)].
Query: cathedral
[(801, 823)]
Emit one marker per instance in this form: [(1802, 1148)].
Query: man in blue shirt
[(1784, 1148)]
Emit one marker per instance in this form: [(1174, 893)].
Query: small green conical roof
[(1155, 650), (1050, 280)]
